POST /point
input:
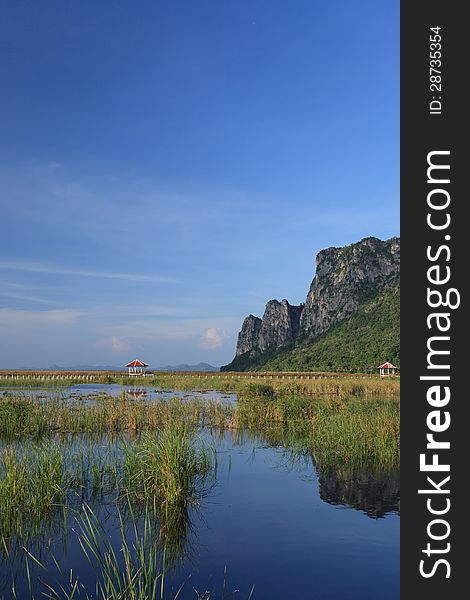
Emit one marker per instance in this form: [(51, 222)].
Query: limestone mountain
[(346, 281), (276, 330)]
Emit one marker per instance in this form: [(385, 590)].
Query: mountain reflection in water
[(375, 494)]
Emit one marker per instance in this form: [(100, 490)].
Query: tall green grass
[(32, 483), (166, 464), (22, 416), (337, 431), (134, 570), (171, 471), (172, 466), (164, 469), (39, 480), (357, 427)]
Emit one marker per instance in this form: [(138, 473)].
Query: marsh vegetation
[(73, 465)]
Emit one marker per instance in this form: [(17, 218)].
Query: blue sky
[(167, 166)]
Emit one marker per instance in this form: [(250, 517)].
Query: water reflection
[(136, 393), (375, 494), (169, 533), (369, 489), (90, 391), (244, 521)]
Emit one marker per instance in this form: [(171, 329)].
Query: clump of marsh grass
[(257, 390), (137, 575), (32, 483), (13, 414), (170, 467), (40, 480), (170, 471), (336, 430), (133, 571), (22, 416)]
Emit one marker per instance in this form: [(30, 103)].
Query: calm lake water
[(91, 390), (272, 522)]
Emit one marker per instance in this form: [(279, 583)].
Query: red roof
[(136, 363), (387, 365)]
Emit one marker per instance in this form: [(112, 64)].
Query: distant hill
[(85, 368), (350, 320)]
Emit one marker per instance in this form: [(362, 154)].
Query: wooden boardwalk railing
[(93, 376)]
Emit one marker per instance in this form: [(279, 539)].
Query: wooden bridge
[(98, 376)]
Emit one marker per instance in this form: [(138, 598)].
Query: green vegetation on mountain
[(348, 323), (359, 343)]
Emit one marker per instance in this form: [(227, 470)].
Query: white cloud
[(213, 338), (116, 344), (39, 338)]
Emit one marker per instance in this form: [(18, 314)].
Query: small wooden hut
[(136, 367), (386, 369)]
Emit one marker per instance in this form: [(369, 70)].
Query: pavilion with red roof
[(136, 367), (387, 369)]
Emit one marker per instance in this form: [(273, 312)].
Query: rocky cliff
[(277, 329), (345, 279), (248, 337)]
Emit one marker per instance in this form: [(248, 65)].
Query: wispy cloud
[(32, 267), (25, 298), (22, 318), (24, 293)]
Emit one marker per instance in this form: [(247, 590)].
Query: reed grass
[(134, 570), (22, 416), (170, 472), (358, 427), (171, 469), (167, 462), (172, 466), (37, 481), (281, 384), (335, 431), (32, 483), (166, 469)]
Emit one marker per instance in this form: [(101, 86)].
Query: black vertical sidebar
[(434, 120)]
